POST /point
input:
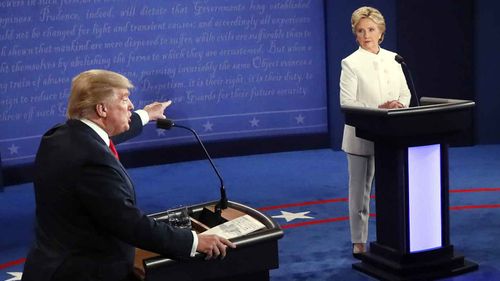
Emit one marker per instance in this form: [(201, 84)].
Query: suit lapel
[(112, 161)]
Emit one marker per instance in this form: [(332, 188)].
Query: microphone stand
[(412, 84), (400, 60), (223, 201), (222, 204)]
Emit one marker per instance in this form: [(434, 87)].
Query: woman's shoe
[(358, 249)]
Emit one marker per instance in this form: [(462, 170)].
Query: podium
[(411, 177), (255, 254)]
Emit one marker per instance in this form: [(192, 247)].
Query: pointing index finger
[(167, 103)]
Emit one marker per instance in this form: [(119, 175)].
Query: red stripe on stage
[(488, 206), (292, 225), (483, 189), (12, 263), (336, 200), (308, 203), (454, 208)]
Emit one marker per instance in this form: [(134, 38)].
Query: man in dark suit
[(87, 222)]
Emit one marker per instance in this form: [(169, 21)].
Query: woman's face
[(368, 35)]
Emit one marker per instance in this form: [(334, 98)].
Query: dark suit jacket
[(87, 222)]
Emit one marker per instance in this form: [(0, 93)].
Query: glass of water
[(179, 217)]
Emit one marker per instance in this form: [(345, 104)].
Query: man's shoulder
[(67, 147), (72, 136), (70, 128)]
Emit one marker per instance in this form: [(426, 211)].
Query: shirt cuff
[(195, 244), (144, 116)]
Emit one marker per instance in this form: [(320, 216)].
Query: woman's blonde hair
[(92, 87), (369, 13)]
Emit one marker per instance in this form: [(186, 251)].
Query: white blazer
[(369, 80)]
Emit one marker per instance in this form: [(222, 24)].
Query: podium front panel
[(424, 197)]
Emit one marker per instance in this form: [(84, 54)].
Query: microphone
[(401, 61), (167, 124)]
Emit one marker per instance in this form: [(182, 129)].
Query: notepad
[(237, 227)]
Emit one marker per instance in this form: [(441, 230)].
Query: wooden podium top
[(141, 255)]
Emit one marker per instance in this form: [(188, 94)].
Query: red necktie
[(113, 149)]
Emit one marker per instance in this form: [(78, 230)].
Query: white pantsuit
[(366, 80), (361, 173)]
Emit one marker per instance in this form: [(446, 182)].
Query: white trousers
[(361, 173)]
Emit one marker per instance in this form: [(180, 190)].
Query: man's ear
[(101, 110)]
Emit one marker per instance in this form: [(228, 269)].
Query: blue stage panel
[(233, 69)]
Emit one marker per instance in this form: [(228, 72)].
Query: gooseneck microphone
[(167, 124), (401, 61)]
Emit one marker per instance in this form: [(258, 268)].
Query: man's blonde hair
[(92, 87), (369, 13)]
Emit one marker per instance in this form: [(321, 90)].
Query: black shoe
[(357, 255)]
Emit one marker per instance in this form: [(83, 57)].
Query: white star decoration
[(208, 126), (254, 122), (300, 119), (17, 276), (160, 132), (291, 216), (13, 149)]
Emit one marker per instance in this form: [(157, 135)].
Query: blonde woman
[(370, 77)]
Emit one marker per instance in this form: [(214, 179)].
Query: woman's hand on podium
[(391, 104), (213, 246)]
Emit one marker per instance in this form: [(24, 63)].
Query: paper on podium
[(236, 227)]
